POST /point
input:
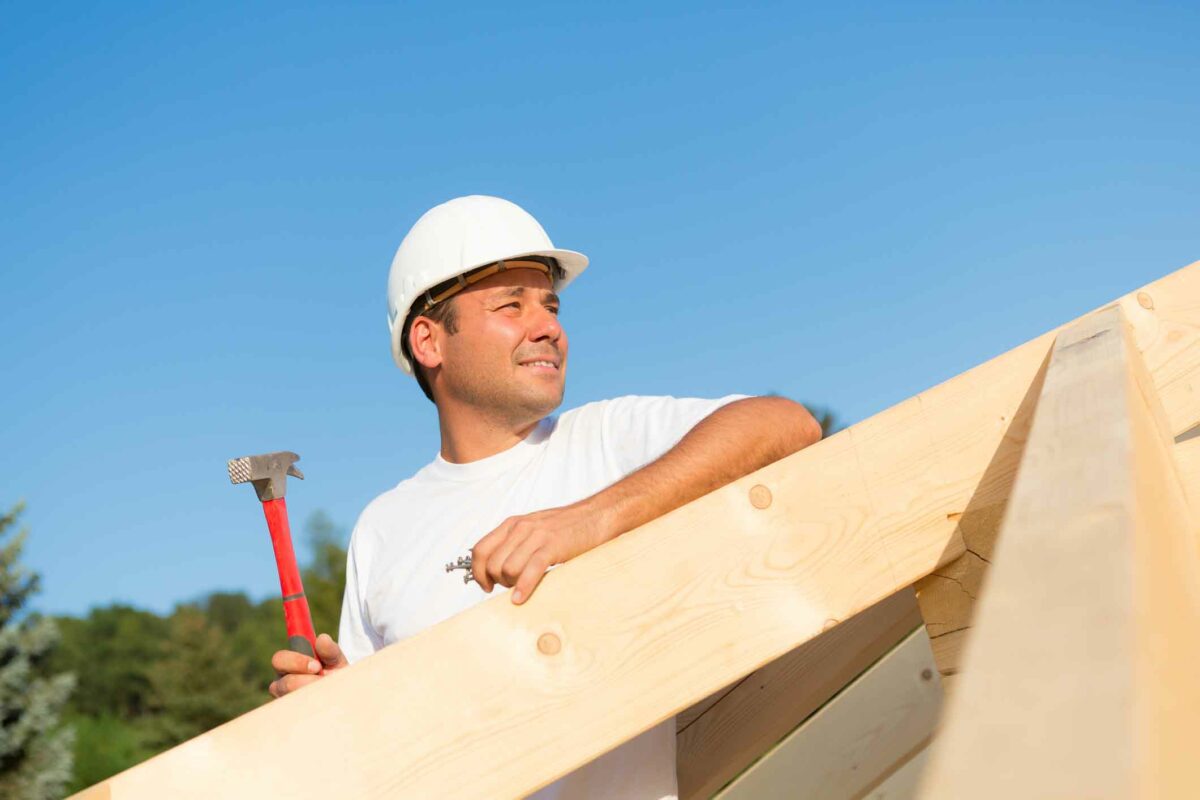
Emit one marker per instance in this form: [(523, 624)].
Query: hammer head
[(268, 472)]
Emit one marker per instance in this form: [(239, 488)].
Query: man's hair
[(442, 313)]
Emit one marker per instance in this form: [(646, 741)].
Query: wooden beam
[(863, 735), (771, 702), (947, 596), (1080, 677), (663, 616), (1187, 464), (904, 782)]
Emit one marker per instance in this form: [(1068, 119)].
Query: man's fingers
[(288, 662), (499, 559), (514, 565), (290, 683), (330, 654), (482, 551), (531, 576)]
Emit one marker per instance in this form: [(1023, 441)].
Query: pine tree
[(195, 684), (35, 749)]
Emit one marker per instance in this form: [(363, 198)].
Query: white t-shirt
[(397, 585)]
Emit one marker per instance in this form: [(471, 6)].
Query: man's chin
[(542, 399)]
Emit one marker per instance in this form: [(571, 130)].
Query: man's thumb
[(329, 652)]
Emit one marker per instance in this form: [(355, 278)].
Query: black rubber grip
[(300, 645)]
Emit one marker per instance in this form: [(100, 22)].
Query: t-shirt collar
[(504, 461)]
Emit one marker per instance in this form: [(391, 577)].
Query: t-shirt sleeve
[(638, 430), (356, 637)]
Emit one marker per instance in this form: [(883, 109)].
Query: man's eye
[(553, 310), (513, 304)]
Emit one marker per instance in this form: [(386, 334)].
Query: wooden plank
[(1187, 463), (947, 596), (861, 736), (1081, 670), (904, 782), (771, 702), (663, 616)]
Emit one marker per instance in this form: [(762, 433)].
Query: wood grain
[(863, 735), (904, 782), (665, 615), (772, 701), (1081, 666)]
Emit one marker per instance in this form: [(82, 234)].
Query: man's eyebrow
[(519, 291)]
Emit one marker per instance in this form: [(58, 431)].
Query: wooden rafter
[(1079, 680), (727, 736), (870, 730), (663, 616)]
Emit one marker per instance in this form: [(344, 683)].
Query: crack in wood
[(978, 555), (953, 580), (946, 633)]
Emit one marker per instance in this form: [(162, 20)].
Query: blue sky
[(842, 204)]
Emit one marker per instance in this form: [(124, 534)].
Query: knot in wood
[(1145, 300), (760, 496), (549, 644)]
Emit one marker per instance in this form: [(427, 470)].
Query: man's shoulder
[(636, 404), (597, 409)]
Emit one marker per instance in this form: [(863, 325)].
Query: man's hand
[(521, 549), (296, 670)]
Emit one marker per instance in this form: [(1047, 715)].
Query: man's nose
[(545, 326)]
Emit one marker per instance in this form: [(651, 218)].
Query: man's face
[(509, 356)]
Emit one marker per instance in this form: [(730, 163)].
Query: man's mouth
[(542, 363)]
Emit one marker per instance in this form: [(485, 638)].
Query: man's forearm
[(733, 441)]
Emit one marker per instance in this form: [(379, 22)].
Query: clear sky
[(842, 203)]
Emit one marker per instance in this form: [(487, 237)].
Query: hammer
[(268, 473)]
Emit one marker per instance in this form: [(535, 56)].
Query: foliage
[(828, 422), (35, 749), (325, 576), (148, 682), (108, 650), (825, 417), (193, 687), (105, 744)]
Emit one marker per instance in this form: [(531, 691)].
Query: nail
[(313, 666), (517, 597)]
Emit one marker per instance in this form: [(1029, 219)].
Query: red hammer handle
[(296, 615)]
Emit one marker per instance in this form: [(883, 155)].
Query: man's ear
[(424, 342)]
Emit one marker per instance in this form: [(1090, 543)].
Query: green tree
[(825, 417), (105, 745), (252, 631), (110, 650), (35, 749), (325, 576), (828, 421), (193, 688)]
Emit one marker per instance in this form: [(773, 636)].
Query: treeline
[(145, 682)]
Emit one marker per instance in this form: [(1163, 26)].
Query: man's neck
[(468, 435)]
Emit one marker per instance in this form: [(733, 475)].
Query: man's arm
[(733, 441)]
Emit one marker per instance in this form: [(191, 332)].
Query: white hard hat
[(459, 236)]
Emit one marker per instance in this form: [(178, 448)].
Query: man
[(473, 314)]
